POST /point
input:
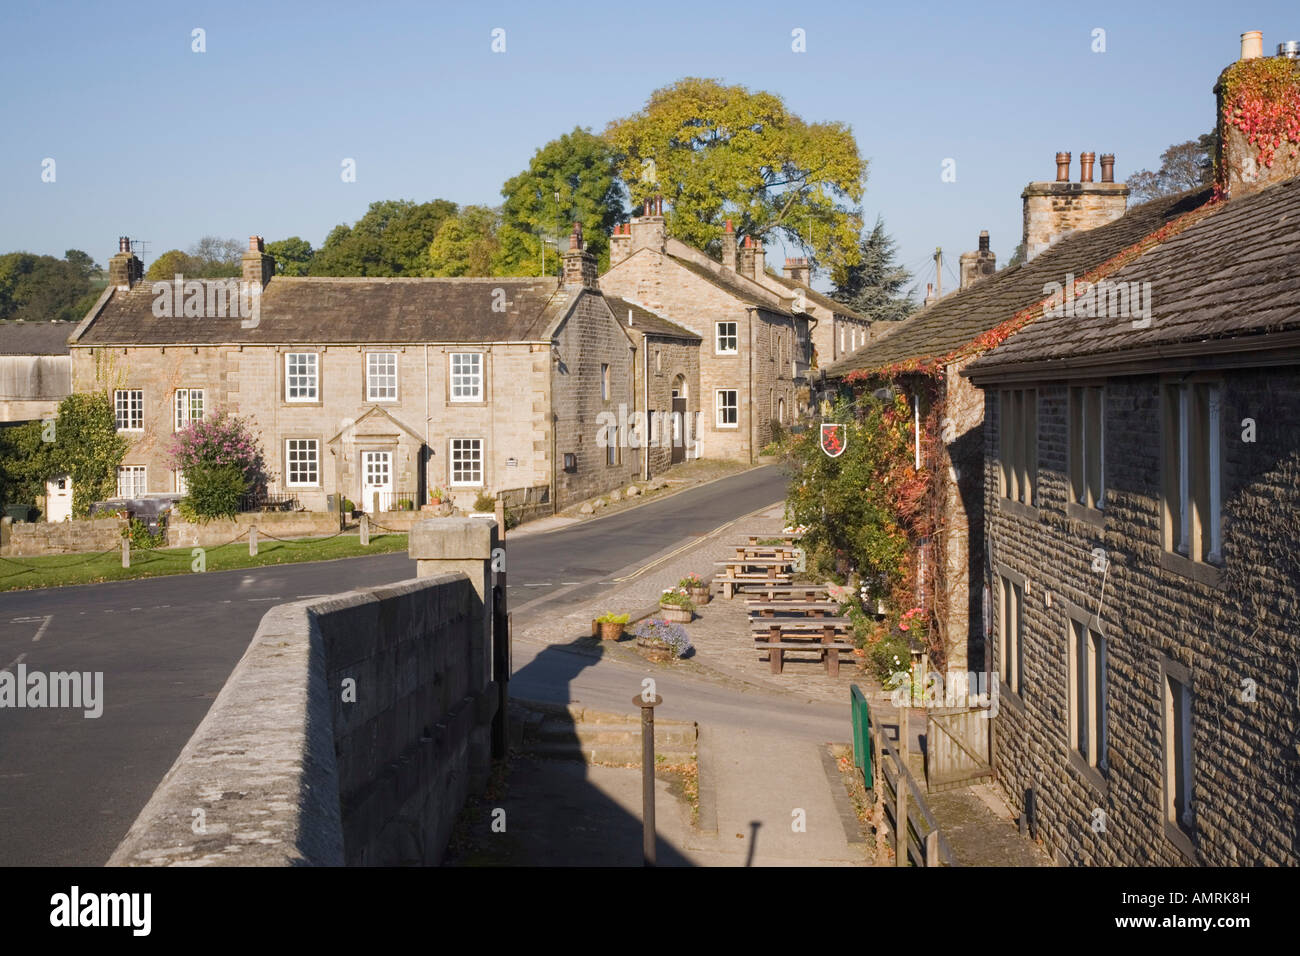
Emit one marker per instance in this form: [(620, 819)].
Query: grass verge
[(66, 569)]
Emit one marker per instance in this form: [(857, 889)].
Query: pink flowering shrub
[(221, 460)]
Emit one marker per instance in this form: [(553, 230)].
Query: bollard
[(126, 551), (252, 541), (365, 531), (648, 775)]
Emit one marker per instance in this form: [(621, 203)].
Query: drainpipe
[(428, 448), (750, 403)]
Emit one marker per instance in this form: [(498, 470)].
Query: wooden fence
[(901, 810)]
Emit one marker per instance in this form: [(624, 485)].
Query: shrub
[(214, 492), (512, 520), (142, 537), (609, 617), (485, 502), (348, 506), (889, 655), (671, 635)]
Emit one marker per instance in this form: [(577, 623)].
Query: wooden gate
[(957, 747)]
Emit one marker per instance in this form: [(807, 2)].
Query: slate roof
[(644, 320), (35, 338), (348, 310), (1218, 285), (826, 302), (959, 318)]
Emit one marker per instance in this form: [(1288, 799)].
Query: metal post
[(648, 775), (365, 531), (252, 541), (126, 551)]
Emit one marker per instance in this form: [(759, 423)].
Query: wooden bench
[(728, 584), (823, 635), (817, 609), (793, 592), (787, 540)]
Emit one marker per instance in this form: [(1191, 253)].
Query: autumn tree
[(718, 152)]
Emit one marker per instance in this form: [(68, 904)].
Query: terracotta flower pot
[(610, 630)]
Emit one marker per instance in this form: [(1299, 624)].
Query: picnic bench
[(828, 636), (792, 592), (740, 572), (787, 540), (811, 609)]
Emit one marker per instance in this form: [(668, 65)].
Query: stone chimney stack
[(745, 266), (930, 297), (979, 264), (258, 267), (579, 264), (620, 244), (798, 270), (729, 247), (1054, 210), (759, 263), (1241, 167), (648, 230), (125, 269)]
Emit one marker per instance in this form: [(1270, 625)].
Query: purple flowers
[(219, 441), (672, 635)]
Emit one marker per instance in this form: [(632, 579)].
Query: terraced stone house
[(374, 390)]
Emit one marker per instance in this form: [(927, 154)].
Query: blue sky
[(154, 141)]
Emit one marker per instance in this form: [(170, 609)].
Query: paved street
[(71, 786)]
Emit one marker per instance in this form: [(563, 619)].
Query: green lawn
[(62, 569)]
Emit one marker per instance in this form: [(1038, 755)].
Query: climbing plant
[(88, 448), (1261, 97)]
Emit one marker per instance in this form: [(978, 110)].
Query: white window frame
[(456, 449), (377, 386), (138, 475), (718, 407), (719, 336), (308, 370), (293, 447), (183, 407), (128, 405), (1193, 446), (469, 379)]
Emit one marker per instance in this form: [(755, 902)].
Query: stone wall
[(1231, 627), (81, 536), (287, 524), (1053, 210), (351, 732)]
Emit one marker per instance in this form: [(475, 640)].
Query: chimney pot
[(1107, 167), (729, 226), (984, 240), (1063, 167), (1290, 49), (1086, 161), (123, 244), (1252, 45)]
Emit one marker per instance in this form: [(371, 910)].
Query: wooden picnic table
[(827, 636), (807, 592), (744, 552), (788, 540), (728, 582), (762, 608)]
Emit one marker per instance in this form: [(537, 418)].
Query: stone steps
[(575, 733)]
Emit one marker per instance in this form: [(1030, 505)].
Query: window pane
[(466, 461), (300, 376), (1092, 436), (302, 461), (466, 376), (381, 376)]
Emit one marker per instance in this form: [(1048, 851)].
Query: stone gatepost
[(466, 545)]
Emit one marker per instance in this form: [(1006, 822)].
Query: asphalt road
[(70, 786)]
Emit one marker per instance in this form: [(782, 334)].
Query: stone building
[(374, 390), (1142, 503), (923, 357), (755, 351)]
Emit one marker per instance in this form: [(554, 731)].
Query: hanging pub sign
[(833, 438)]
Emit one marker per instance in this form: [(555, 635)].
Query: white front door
[(58, 498), (376, 480)]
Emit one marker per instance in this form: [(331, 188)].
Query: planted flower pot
[(654, 650), (675, 613)]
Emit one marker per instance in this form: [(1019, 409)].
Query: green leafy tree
[(217, 258), (88, 448), (172, 263), (391, 239), (466, 244), (41, 288), (720, 152), (1183, 166), (293, 256), (25, 462), (875, 287), (570, 179)]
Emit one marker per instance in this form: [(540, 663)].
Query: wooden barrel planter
[(678, 615), (653, 650), (699, 596)]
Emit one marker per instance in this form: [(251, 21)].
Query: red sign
[(833, 439)]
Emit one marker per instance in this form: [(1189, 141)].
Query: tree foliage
[(87, 448), (571, 179), (391, 239), (466, 244), (209, 258), (293, 256), (40, 288), (720, 152), (1183, 166), (875, 287)]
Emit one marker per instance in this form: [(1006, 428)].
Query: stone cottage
[(755, 351), (1076, 228), (369, 389), (1142, 515)]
